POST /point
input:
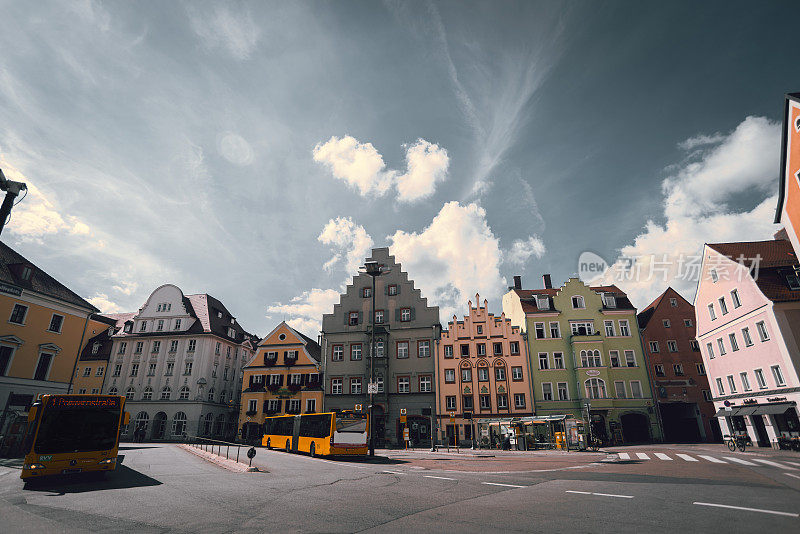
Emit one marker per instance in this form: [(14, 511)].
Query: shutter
[(280, 380), (346, 318), (386, 289), (397, 315), (251, 381), (413, 313), (361, 317), (398, 288), (264, 409), (280, 402), (303, 379)]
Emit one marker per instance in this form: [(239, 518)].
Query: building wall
[(91, 383), (790, 213)]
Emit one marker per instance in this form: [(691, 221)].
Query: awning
[(771, 409), (747, 410), (722, 412)]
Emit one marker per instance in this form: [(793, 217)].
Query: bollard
[(227, 450)]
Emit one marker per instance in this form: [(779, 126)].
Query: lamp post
[(374, 270), (12, 189)]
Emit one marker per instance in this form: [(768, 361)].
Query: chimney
[(517, 282), (548, 284)]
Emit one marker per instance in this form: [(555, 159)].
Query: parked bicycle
[(738, 441)]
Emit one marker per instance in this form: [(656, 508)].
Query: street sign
[(452, 419), (402, 418), (402, 411), (405, 434), (251, 452), (358, 407), (372, 387)]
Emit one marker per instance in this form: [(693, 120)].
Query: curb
[(230, 465)]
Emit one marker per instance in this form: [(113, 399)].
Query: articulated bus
[(73, 434), (319, 434)]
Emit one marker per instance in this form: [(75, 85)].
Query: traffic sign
[(402, 411), (358, 407), (372, 387), (405, 434)]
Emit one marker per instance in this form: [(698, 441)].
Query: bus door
[(295, 432)]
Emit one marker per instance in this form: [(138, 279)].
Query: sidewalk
[(482, 453)]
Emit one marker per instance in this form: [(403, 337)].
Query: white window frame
[(636, 389), (653, 347), (745, 381), (565, 390), (731, 384), (777, 374), (617, 384), (734, 343), (555, 330), (624, 328), (748, 339), (558, 360), (547, 391), (760, 379), (609, 327), (711, 312), (763, 334), (578, 302), (737, 302)]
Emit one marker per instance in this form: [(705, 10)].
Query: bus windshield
[(77, 429), (351, 424)]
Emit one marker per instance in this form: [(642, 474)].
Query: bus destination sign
[(84, 402)]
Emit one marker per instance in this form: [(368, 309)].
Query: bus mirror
[(126, 418), (32, 413)]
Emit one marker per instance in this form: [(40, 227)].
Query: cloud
[(221, 27), (701, 140), (361, 166), (454, 257), (126, 287), (102, 303), (696, 208), (305, 311), (350, 241), (522, 250), (235, 149)]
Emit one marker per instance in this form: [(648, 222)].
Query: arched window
[(179, 424), (222, 397), (220, 426), (591, 359), (148, 393), (140, 423), (209, 420), (595, 388), (129, 393), (211, 395), (166, 393), (184, 393), (112, 391)]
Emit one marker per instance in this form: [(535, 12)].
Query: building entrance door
[(762, 438), (635, 428), (159, 425)]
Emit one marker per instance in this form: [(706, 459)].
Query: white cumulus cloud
[(104, 304), (427, 164), (305, 311), (522, 250), (350, 241)]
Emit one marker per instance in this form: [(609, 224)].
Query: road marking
[(601, 494), (773, 464), (793, 463), (791, 475), (642, 456), (712, 459), (394, 472), (747, 509), (624, 456), (686, 457), (506, 485), (440, 478), (580, 492), (662, 456), (738, 460)]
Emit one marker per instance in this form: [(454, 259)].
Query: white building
[(179, 360)]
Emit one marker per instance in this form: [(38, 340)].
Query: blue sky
[(255, 151)]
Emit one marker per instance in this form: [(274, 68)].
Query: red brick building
[(677, 374)]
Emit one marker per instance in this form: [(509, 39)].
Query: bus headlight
[(33, 467), (108, 461)]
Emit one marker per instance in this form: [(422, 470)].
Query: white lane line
[(793, 463), (686, 457), (738, 460), (580, 492), (662, 456), (394, 472), (440, 478), (773, 464), (747, 509), (791, 475), (624, 456), (600, 494), (506, 485), (712, 459), (642, 456)]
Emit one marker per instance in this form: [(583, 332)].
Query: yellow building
[(90, 373), (283, 377)]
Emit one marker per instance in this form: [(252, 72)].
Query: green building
[(584, 348)]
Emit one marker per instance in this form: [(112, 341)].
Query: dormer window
[(231, 332), (219, 314), (542, 302), (793, 281), (609, 300), (128, 327), (26, 273), (95, 348), (577, 302)]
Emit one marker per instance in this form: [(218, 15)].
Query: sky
[(257, 151)]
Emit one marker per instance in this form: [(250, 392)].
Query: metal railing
[(208, 445)]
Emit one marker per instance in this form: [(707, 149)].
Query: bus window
[(315, 426), (351, 424), (77, 429)]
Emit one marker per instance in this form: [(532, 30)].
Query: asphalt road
[(161, 488)]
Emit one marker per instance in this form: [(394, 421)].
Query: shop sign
[(593, 372), (10, 289), (776, 399), (750, 401)]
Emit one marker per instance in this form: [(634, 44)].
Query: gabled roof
[(312, 347), (11, 264), (776, 260), (647, 313), (528, 296)]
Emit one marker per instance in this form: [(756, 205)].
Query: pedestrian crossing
[(735, 460)]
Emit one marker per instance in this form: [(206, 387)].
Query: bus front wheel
[(312, 451)]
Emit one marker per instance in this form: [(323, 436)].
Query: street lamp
[(12, 189), (374, 270)]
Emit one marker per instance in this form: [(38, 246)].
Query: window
[(539, 328), (187, 370), (547, 391), (139, 347), (516, 374), (701, 369), (714, 275), (448, 351), (519, 400), (151, 369), (217, 348), (296, 379), (228, 352), (577, 302), (720, 388), (723, 307), (466, 375), (160, 325), (355, 386), (563, 392), (352, 318), (337, 354), (778, 375), (735, 298), (514, 347), (177, 324), (450, 402), (748, 341), (672, 345), (112, 391), (486, 402), (366, 292), (122, 346), (595, 388), (763, 335), (311, 405), (731, 384), (481, 349), (673, 303), (450, 376), (582, 328), (659, 368), (762, 383), (745, 381), (609, 301), (56, 321), (707, 395), (479, 328), (619, 389), (170, 368), (654, 346), (734, 343), (667, 324), (148, 393), (392, 290), (355, 351), (609, 325), (721, 346), (624, 330), (425, 384), (224, 371), (591, 358), (156, 347), (558, 360), (143, 326), (543, 361), (192, 345), (694, 345), (542, 302), (87, 371), (252, 405), (18, 314), (555, 330), (614, 357), (636, 389), (424, 348), (793, 281), (483, 374), (405, 315), (117, 369), (498, 349), (630, 358), (378, 316), (100, 371), (403, 384), (687, 323), (500, 373), (678, 368), (710, 349), (129, 393), (465, 351), (379, 349), (166, 393), (402, 349), (336, 386), (184, 393), (134, 369), (173, 345), (711, 312)]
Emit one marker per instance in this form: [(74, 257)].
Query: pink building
[(748, 326)]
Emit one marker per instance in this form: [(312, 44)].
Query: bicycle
[(735, 442)]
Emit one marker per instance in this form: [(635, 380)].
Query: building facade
[(178, 361), (788, 212), (748, 325), (482, 374), (678, 374), (406, 331), (90, 373), (586, 356), (284, 376)]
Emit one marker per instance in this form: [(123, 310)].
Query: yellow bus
[(319, 434), (73, 434)]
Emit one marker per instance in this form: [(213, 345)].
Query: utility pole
[(12, 190), (374, 270)]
